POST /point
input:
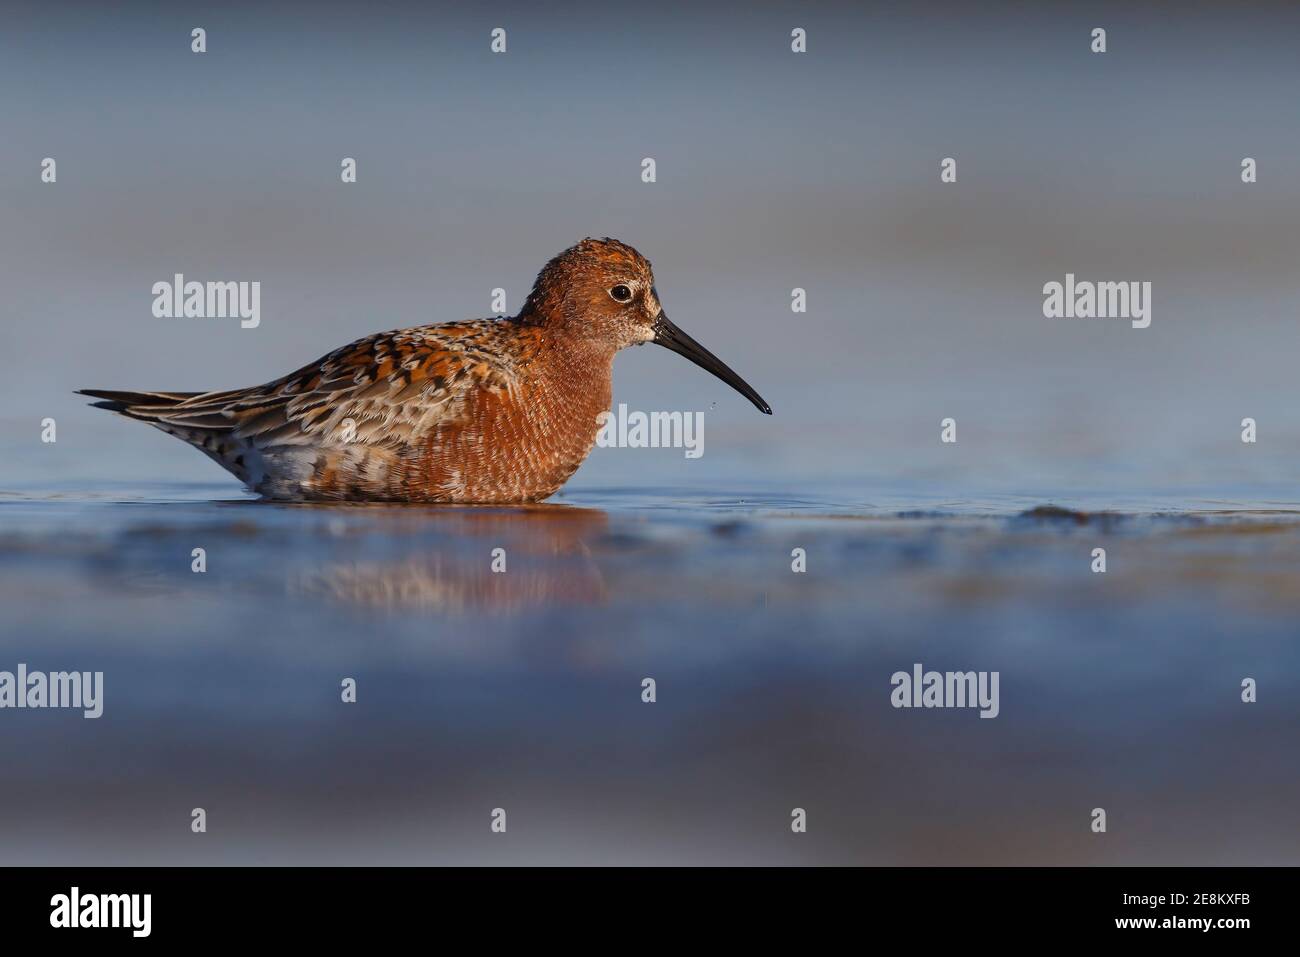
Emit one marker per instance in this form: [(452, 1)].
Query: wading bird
[(482, 411)]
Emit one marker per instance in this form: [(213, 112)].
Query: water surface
[(522, 690)]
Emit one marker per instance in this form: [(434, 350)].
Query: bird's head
[(603, 291)]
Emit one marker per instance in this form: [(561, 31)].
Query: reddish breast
[(519, 444)]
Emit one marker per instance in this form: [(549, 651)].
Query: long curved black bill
[(670, 337)]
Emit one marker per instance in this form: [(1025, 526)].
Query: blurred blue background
[(775, 170)]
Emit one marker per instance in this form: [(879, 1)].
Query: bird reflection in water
[(545, 560)]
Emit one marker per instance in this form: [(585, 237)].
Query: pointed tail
[(136, 404)]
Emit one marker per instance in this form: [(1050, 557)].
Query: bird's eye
[(620, 293)]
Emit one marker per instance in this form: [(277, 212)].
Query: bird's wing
[(386, 390)]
